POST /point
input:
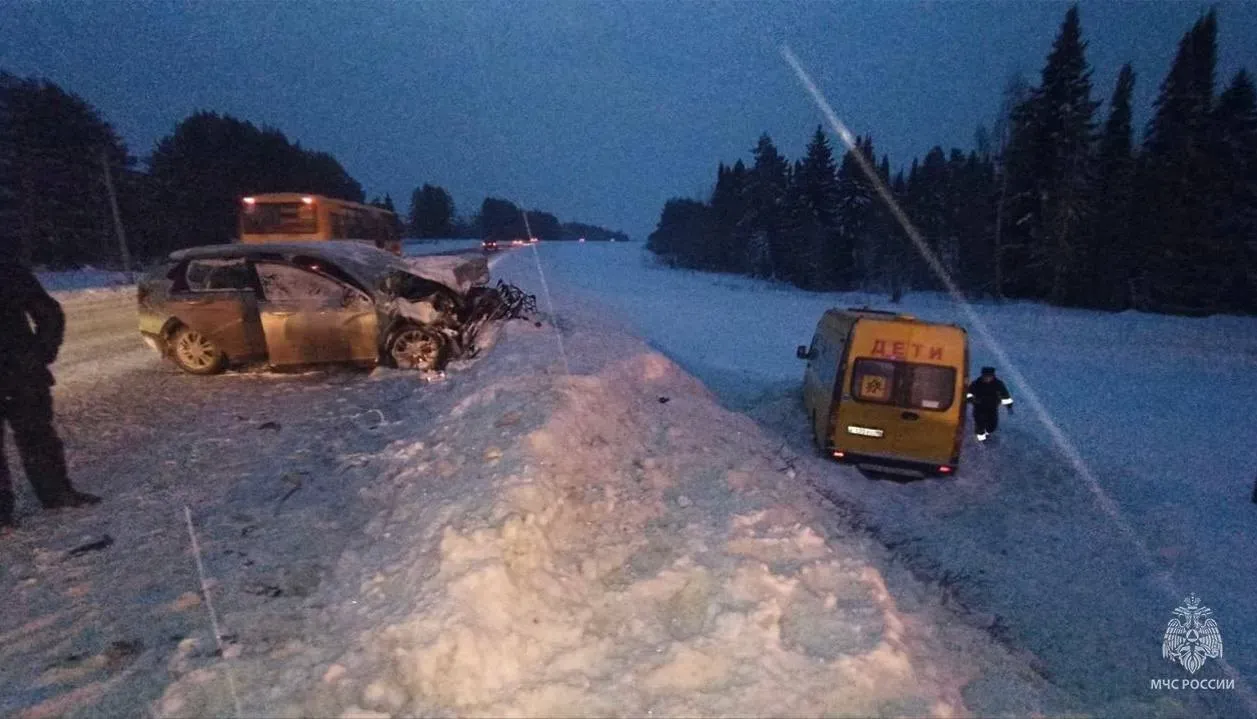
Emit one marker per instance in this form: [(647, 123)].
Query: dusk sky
[(598, 112)]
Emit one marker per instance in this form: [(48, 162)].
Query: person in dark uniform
[(31, 328), (986, 394)]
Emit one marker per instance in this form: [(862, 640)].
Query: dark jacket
[(32, 326), (988, 395)]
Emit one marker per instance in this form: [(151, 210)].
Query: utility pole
[(117, 216)]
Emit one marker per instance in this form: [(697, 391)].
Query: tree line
[(432, 215), (57, 153), (1051, 204)]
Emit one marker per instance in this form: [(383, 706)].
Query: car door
[(309, 317), (217, 297)]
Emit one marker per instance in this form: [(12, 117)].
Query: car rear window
[(903, 384)]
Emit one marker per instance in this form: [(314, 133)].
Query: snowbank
[(1160, 408), (612, 543)]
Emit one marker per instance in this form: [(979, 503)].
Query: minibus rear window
[(903, 384)]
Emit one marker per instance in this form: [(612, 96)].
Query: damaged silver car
[(209, 308)]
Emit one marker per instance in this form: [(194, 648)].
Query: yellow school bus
[(297, 217), (886, 391)]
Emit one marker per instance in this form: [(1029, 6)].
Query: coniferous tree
[(1184, 270), (1005, 167), (768, 183), (54, 209), (501, 220), (878, 233), (682, 222), (855, 198), (975, 193), (431, 212), (1235, 200), (928, 202), (725, 249), (823, 259), (202, 170), (896, 263), (1056, 130), (1112, 239)]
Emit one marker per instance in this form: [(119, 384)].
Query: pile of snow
[(614, 543), (1159, 407)]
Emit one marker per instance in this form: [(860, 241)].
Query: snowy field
[(1159, 407)]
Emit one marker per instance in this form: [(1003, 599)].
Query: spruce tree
[(896, 264), (1184, 272), (767, 186), (1112, 241), (928, 199), (722, 250), (1007, 130), (1057, 126), (1235, 200), (826, 259), (854, 217)]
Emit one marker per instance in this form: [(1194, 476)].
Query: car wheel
[(417, 348), (195, 353)]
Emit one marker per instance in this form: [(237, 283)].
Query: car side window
[(208, 275), (285, 283)]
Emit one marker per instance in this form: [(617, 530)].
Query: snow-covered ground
[(572, 524), (515, 540), (1159, 407), (609, 542)]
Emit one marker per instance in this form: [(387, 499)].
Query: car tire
[(414, 347), (195, 353)]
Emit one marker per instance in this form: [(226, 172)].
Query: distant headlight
[(864, 431)]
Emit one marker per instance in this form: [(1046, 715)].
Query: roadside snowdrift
[(613, 543)]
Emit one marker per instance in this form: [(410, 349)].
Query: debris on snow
[(103, 542)]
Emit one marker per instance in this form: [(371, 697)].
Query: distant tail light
[(944, 470)]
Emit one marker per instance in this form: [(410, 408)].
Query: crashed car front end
[(428, 324)]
